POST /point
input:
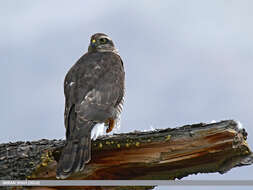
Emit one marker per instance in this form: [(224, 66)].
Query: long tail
[(76, 153)]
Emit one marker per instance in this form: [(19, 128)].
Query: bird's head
[(100, 42)]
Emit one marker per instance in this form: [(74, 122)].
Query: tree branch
[(160, 154)]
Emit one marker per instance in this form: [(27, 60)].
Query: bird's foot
[(111, 124)]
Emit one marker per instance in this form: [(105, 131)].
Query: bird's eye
[(103, 40)]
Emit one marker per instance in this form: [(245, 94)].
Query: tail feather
[(75, 154), (83, 154)]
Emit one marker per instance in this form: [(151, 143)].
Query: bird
[(94, 89)]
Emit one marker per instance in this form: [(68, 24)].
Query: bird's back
[(93, 70)]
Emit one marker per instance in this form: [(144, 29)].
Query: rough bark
[(159, 154)]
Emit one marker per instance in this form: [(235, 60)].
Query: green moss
[(167, 138)]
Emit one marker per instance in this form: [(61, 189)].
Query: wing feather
[(94, 86)]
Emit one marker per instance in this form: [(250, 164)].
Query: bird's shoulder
[(89, 68), (102, 58), (93, 62)]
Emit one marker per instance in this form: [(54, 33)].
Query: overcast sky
[(186, 62)]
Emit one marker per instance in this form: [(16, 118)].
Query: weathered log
[(158, 154)]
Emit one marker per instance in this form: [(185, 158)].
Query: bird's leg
[(111, 125)]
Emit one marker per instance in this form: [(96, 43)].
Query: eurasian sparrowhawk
[(94, 93)]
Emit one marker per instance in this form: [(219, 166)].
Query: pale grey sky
[(186, 62)]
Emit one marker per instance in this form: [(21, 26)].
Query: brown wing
[(93, 87)]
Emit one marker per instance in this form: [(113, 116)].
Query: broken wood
[(159, 154)]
